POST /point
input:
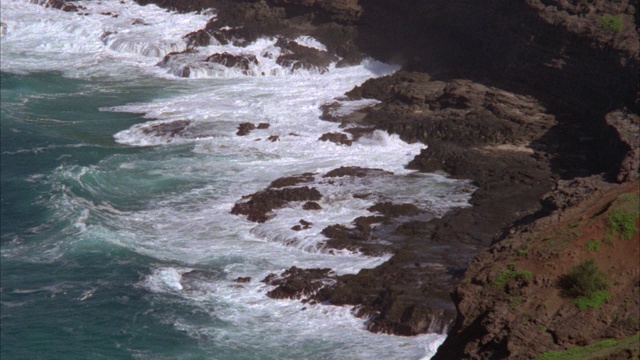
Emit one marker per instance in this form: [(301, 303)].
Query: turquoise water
[(47, 122)]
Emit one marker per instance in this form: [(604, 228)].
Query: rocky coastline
[(535, 101)]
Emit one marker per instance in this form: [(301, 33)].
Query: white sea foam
[(106, 38), (256, 320)]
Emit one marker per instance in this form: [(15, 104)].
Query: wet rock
[(291, 180), (355, 171), (198, 38), (273, 138), (242, 62), (139, 22), (193, 280), (311, 205), (303, 225), (389, 209), (245, 129), (359, 238), (297, 56), (338, 138), (58, 4), (108, 13), (295, 283), (262, 202), (168, 129), (243, 280), (263, 126)]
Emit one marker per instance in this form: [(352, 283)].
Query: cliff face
[(523, 97)]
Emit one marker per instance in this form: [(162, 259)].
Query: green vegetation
[(577, 352), (515, 301), (586, 284), (525, 251), (612, 23), (594, 301), (622, 223), (511, 274), (542, 328), (593, 245), (598, 350)]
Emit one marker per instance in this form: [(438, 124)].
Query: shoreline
[(539, 110)]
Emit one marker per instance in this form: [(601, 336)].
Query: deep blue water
[(47, 122)]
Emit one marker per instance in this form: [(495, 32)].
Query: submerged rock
[(245, 128), (337, 138), (167, 129), (242, 62), (261, 203), (295, 283)]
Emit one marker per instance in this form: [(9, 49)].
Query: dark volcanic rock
[(245, 129), (297, 56), (354, 171), (337, 138), (242, 62), (304, 225), (622, 139), (395, 210), (262, 202), (359, 238), (198, 38), (295, 283), (311, 205), (59, 4), (292, 180), (169, 129)]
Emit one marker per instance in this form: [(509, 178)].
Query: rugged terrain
[(536, 101)]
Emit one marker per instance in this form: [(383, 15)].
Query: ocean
[(117, 238)]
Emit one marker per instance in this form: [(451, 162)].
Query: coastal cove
[(286, 179)]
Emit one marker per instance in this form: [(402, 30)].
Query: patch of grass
[(577, 352), (594, 301), (599, 350), (593, 245), (622, 223), (586, 284), (612, 23), (511, 274), (525, 251), (542, 328)]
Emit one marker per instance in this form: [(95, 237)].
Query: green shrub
[(583, 280), (622, 223), (612, 23), (593, 245)]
